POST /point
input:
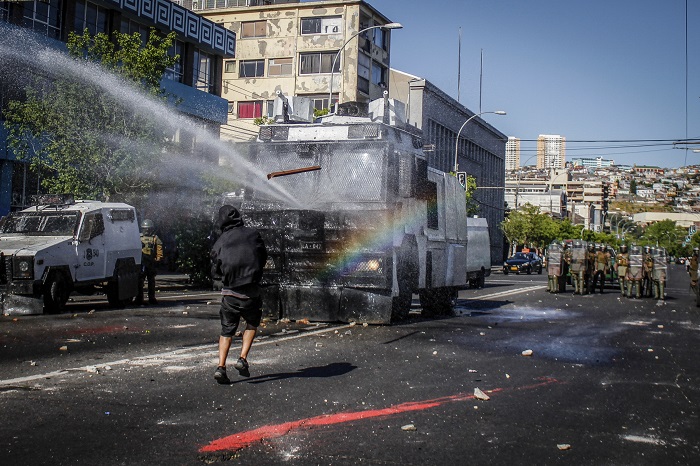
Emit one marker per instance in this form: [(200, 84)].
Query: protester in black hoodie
[(238, 258)]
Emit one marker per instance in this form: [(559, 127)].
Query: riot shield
[(578, 257), (554, 261), (660, 270), (636, 265)]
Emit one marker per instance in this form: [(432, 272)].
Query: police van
[(62, 245)]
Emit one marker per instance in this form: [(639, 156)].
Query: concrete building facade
[(551, 151), (308, 49), (512, 153)]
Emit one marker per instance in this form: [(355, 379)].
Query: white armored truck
[(62, 245), (354, 220)]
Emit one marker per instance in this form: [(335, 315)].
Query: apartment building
[(551, 151), (309, 49), (194, 82), (512, 153)]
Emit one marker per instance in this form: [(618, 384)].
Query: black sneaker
[(220, 375), (242, 367)]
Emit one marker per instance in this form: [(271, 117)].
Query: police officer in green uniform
[(621, 262), (693, 271), (578, 266), (635, 272), (151, 255), (646, 272), (659, 273)]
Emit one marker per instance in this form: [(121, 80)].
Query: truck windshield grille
[(349, 172)]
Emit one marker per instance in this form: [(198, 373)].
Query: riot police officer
[(693, 271), (554, 266), (659, 273), (600, 269), (151, 255), (648, 261), (621, 263), (635, 272), (578, 266), (590, 266)]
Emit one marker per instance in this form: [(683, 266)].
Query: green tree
[(633, 186), (665, 234), (82, 139), (528, 226)]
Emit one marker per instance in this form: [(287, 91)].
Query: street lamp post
[(337, 55), (497, 112)]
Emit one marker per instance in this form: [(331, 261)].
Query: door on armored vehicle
[(90, 250)]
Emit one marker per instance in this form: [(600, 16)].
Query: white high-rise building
[(551, 151), (512, 153)]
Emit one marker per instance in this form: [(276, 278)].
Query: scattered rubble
[(527, 352), (479, 395), (408, 427)]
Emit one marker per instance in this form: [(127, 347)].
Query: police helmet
[(147, 226), (591, 246), (623, 248), (647, 249)]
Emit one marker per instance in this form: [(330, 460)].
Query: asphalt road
[(609, 381)]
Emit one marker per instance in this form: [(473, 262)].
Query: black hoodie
[(239, 255)]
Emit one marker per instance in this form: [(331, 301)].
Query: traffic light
[(462, 178)]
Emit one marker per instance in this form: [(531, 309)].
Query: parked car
[(523, 262)]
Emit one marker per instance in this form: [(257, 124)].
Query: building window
[(231, 107), (320, 101), (378, 75), (270, 105), (91, 17), (364, 65), (175, 73), (202, 76), (250, 109), (253, 29), (251, 68), (317, 62), (130, 27), (380, 38), (230, 66), (44, 17), (330, 25), (279, 67)]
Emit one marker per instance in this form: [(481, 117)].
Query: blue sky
[(593, 70)]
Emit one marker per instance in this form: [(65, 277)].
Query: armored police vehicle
[(62, 245), (355, 221)]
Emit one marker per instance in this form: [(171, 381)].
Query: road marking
[(500, 294), (168, 356), (244, 439)]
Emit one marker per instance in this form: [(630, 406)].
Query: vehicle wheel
[(505, 271), (437, 301), (539, 270), (113, 295), (406, 274), (481, 281), (529, 270), (56, 292)]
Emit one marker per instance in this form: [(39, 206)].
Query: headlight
[(370, 265), (23, 267)]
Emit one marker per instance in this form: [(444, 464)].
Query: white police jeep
[(62, 245)]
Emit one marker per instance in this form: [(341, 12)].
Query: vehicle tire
[(697, 299), (406, 273), (539, 270), (56, 292), (437, 302), (505, 271), (529, 270), (125, 272), (481, 281)]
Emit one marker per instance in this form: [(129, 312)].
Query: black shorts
[(232, 309)]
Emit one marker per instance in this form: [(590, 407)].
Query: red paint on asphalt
[(244, 439)]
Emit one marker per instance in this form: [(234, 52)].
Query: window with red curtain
[(250, 109)]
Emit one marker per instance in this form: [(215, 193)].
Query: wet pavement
[(608, 381)]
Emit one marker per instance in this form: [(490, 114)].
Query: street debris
[(563, 446), (303, 321), (479, 395), (527, 352), (408, 427), (352, 324), (63, 348)]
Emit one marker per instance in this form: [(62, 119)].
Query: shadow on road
[(330, 370)]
